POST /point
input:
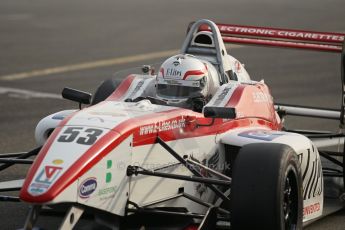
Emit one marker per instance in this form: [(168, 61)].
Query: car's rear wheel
[(266, 190), (104, 90)]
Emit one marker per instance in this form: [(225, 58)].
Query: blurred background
[(46, 45)]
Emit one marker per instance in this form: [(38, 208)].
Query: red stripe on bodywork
[(236, 96), (40, 157), (121, 89), (24, 195)]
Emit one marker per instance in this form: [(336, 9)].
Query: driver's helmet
[(183, 79)]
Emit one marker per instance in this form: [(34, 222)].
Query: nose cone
[(62, 161)]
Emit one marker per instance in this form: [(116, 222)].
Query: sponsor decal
[(48, 174), (87, 187), (260, 97), (38, 188), (107, 193), (260, 135), (177, 62), (136, 89), (222, 95), (44, 179), (50, 171), (57, 162), (162, 126), (310, 209), (108, 175), (58, 117), (312, 175), (170, 72), (281, 33)]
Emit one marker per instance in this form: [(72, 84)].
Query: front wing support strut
[(208, 181), (32, 217), (195, 172), (22, 156)]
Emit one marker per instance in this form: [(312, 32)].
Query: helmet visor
[(179, 89), (176, 91)]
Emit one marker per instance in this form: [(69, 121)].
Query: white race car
[(197, 145)]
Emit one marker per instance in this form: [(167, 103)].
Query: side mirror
[(219, 112), (77, 95)]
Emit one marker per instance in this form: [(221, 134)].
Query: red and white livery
[(199, 143)]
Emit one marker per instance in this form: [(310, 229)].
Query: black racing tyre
[(266, 189), (104, 90)]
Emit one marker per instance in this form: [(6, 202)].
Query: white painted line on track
[(27, 94), (88, 65), (96, 64)]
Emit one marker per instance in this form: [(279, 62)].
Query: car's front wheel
[(266, 190)]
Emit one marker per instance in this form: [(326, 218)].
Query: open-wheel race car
[(197, 145)]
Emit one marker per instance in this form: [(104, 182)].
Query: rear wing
[(288, 38)]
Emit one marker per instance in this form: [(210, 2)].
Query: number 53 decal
[(84, 136)]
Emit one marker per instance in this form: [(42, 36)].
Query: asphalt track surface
[(47, 45)]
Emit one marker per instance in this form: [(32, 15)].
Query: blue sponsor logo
[(87, 187), (260, 135), (58, 117)]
